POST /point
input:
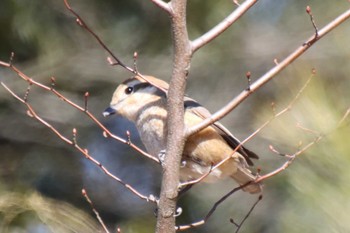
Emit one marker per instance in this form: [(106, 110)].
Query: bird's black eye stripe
[(136, 88), (129, 90), (191, 104)]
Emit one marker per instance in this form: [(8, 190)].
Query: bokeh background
[(41, 177)]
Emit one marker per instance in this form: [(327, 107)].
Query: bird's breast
[(151, 125)]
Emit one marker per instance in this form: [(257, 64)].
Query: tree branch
[(222, 26), (31, 112), (97, 214), (268, 76), (82, 23), (252, 135), (84, 110), (175, 119)]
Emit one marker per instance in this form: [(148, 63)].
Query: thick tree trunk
[(175, 137)]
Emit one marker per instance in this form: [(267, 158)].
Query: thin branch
[(308, 10), (346, 115), (192, 182), (212, 210), (162, 5), (293, 156), (258, 180), (283, 167), (82, 23), (307, 129), (289, 161), (276, 115), (97, 214), (239, 226), (222, 26), (73, 142), (84, 109), (268, 76), (116, 61)]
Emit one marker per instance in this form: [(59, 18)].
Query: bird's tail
[(244, 176)]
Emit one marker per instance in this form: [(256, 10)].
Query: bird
[(142, 100)]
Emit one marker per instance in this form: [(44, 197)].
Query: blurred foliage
[(30, 212), (312, 195)]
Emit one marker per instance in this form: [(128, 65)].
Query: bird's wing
[(203, 113)]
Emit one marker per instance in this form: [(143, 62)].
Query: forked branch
[(97, 214), (31, 112), (82, 23), (222, 26), (252, 135), (268, 76), (106, 132)]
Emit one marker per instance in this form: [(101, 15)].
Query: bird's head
[(134, 94)]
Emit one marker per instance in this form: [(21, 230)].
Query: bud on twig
[(135, 62), (79, 22), (128, 137), (308, 9), (74, 136), (248, 74), (29, 113), (53, 82), (313, 71), (86, 95), (11, 58), (25, 98)]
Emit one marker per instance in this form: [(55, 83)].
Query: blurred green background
[(41, 177)]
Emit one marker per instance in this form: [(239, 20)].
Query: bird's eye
[(129, 90)]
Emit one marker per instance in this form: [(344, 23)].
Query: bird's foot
[(161, 156)]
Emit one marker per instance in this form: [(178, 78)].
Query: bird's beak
[(109, 111)]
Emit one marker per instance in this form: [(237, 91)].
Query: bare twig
[(82, 23), (258, 180), (222, 26), (87, 198), (135, 61), (273, 149), (73, 143), (346, 115), (84, 109), (307, 129), (239, 225), (192, 182), (212, 210), (113, 59), (308, 11), (268, 76), (276, 115), (247, 75), (289, 161), (86, 96), (302, 150)]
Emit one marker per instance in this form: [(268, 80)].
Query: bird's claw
[(161, 156)]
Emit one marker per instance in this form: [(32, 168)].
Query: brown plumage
[(143, 101)]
